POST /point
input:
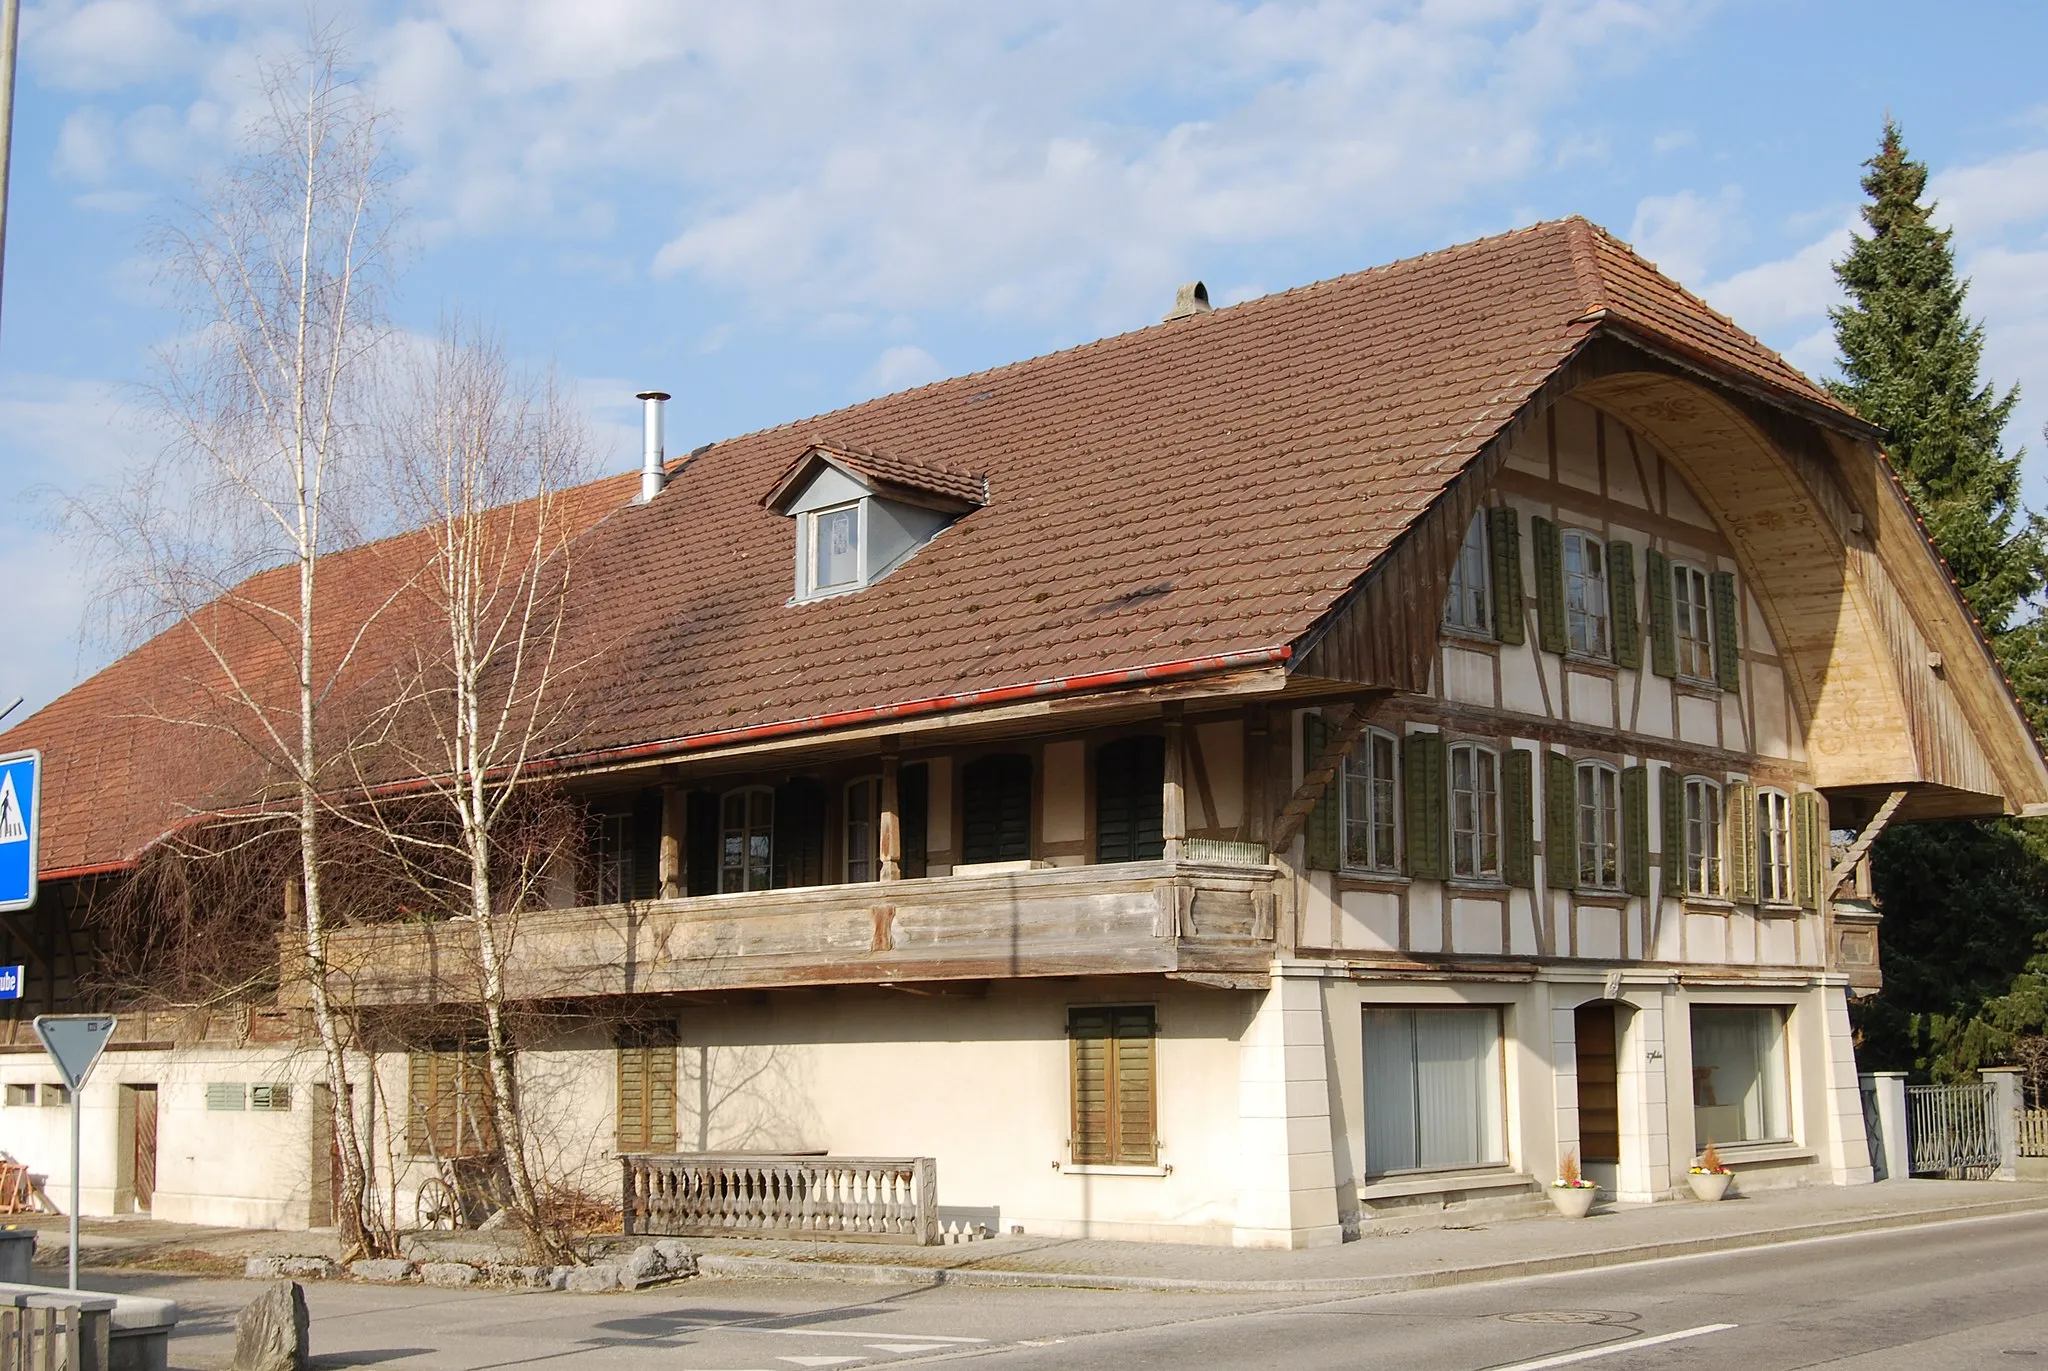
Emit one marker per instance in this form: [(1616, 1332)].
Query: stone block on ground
[(449, 1273), (520, 1277), (382, 1271), (589, 1280), (270, 1335), (680, 1256)]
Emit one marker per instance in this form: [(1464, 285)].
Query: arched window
[(1703, 837), (1130, 800), (746, 848), (995, 809), (1599, 826), (1475, 811)]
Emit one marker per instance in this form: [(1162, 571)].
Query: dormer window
[(860, 515)]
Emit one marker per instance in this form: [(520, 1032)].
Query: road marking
[(706, 1326), (1610, 1349), (821, 1361), (909, 1346)]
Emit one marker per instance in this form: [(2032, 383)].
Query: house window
[(746, 839), (1774, 847), (611, 857), (835, 548), (1469, 603), (864, 830), (1738, 1076), (1692, 617), (995, 805), (21, 1095), (647, 1088), (1114, 1085), (1371, 838), (448, 1103), (271, 1099), (1432, 1089), (1599, 826), (1702, 837), (55, 1097), (1130, 800), (1475, 811), (1585, 594)]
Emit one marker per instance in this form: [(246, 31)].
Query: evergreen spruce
[(1964, 902)]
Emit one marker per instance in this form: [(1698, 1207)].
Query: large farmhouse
[(1306, 761)]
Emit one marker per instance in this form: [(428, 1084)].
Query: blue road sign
[(21, 779), (10, 982)]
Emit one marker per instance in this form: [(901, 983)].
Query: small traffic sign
[(11, 980), (74, 1042), (21, 779)]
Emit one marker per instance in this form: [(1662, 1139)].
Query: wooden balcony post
[(673, 810), (889, 828), (1173, 810)]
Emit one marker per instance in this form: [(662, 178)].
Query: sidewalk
[(1385, 1260)]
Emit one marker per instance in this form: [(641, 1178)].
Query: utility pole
[(10, 29)]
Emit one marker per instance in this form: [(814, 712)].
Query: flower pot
[(1573, 1201), (1710, 1185)]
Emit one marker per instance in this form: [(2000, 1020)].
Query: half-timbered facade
[(1312, 761)]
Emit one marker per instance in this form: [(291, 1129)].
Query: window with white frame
[(1702, 837), (1432, 1089), (1774, 847), (746, 839), (1692, 622), (1371, 834), (1469, 602), (864, 829), (1475, 811), (1738, 1075), (1599, 826), (835, 548), (1585, 594)]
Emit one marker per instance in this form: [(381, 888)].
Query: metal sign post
[(74, 1042), (21, 803)]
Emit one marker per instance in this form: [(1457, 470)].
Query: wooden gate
[(145, 1146)]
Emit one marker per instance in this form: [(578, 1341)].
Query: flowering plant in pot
[(1710, 1177), (1571, 1192)]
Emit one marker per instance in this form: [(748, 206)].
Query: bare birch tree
[(479, 463), (278, 265)]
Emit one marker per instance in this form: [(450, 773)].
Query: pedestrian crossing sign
[(20, 799)]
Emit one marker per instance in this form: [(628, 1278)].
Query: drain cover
[(1562, 1316)]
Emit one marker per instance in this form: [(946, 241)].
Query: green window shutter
[(1423, 804), (1322, 832), (1621, 604), (1504, 528), (1560, 822), (1549, 549), (1635, 830), (1727, 646), (1116, 1114), (1740, 825), (1672, 798), (1806, 849), (1518, 818), (1663, 630)]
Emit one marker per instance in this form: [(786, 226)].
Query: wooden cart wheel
[(437, 1206)]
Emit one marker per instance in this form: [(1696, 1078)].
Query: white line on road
[(1609, 1349), (706, 1326)]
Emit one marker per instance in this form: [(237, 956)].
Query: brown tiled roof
[(883, 471), (1206, 486)]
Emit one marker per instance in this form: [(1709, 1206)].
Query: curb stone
[(777, 1268)]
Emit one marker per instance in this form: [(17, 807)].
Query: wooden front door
[(1599, 1102), (145, 1147)]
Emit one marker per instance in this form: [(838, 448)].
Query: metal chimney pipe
[(653, 454)]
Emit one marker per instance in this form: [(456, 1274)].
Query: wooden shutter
[(996, 808), (1663, 627), (1114, 1086), (1672, 798), (448, 1103), (1323, 833), (1549, 550), (1621, 605), (1130, 800), (643, 847), (1424, 805), (419, 1103), (1635, 830), (700, 843), (1727, 646), (1560, 822), (797, 852), (1739, 823), (1808, 863), (1518, 818), (647, 1091), (913, 809), (1504, 545)]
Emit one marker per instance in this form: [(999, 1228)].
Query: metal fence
[(1954, 1129)]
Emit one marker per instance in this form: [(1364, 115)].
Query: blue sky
[(773, 209)]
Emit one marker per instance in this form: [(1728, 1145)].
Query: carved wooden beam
[(1861, 847), (1315, 779)]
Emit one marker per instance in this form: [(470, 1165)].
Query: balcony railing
[(1199, 918)]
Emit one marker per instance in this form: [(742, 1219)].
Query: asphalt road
[(1960, 1295)]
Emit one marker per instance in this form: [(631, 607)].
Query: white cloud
[(106, 44), (85, 145), (1791, 290), (1982, 199), (1685, 233), (901, 367)]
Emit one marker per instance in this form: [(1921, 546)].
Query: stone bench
[(118, 1332)]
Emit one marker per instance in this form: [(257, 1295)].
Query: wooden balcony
[(1203, 921)]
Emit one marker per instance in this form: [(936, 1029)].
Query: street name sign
[(21, 780), (11, 980)]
